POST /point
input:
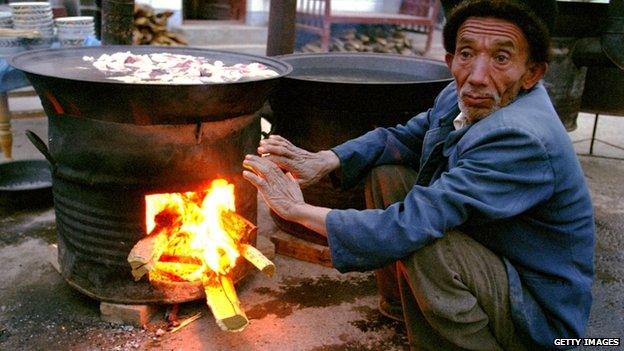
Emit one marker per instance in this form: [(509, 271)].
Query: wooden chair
[(317, 16)]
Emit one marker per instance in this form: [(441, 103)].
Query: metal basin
[(333, 97), (70, 86), (25, 184)]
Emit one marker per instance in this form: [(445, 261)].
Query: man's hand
[(282, 193), (279, 190), (306, 167)]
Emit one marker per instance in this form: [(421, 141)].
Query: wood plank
[(145, 253), (255, 257), (223, 302), (288, 245)]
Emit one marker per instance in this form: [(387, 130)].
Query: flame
[(197, 242)]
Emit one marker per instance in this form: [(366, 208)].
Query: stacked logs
[(150, 28), (380, 40)]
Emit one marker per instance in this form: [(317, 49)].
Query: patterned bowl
[(33, 23), (72, 43), (32, 16), (31, 12), (39, 43), (75, 21), (6, 21), (62, 36), (29, 5), (75, 30), (11, 45)]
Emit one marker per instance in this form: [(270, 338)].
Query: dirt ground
[(305, 307)]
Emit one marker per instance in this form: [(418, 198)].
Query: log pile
[(380, 40), (150, 28)]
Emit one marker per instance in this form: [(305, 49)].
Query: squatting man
[(479, 221)]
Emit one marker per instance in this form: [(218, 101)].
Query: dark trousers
[(454, 291)]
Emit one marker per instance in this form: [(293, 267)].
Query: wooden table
[(6, 137), (10, 79)]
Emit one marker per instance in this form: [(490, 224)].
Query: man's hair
[(533, 28)]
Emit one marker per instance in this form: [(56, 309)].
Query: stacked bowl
[(34, 16), (72, 31), (6, 20), (9, 45)]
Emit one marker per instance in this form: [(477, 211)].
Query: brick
[(136, 315)]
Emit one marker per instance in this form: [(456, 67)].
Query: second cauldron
[(330, 98)]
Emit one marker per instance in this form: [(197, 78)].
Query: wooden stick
[(146, 252), (186, 322), (223, 301), (236, 226), (256, 258)]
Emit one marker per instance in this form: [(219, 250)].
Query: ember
[(197, 236)]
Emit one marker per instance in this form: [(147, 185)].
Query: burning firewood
[(255, 257), (147, 251), (198, 237), (224, 303), (235, 225)]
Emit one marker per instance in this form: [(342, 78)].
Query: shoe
[(390, 310)]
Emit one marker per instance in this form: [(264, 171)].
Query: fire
[(195, 230), (198, 236)]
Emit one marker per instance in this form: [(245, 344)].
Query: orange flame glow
[(197, 242)]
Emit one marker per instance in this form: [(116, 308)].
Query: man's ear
[(449, 59), (536, 71)]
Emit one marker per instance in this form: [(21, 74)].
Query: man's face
[(490, 65)]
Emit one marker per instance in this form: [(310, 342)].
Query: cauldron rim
[(362, 56), (21, 62)]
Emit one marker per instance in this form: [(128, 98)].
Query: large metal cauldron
[(111, 143), (333, 97), (68, 85)]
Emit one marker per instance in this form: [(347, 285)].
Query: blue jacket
[(511, 180)]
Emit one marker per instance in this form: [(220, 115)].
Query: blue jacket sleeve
[(381, 146), (499, 174), (398, 145)]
